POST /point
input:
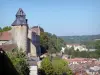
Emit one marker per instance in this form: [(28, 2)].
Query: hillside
[(79, 39)]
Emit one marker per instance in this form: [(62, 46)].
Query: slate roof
[(20, 12), (20, 18), (19, 22)]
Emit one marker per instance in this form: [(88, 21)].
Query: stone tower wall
[(19, 34), (32, 46)]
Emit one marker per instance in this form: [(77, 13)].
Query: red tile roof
[(8, 47), (5, 35)]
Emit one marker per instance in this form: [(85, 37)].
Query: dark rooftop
[(20, 12), (20, 18)]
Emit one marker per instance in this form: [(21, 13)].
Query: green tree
[(66, 50), (0, 29), (97, 44), (19, 60), (43, 40), (6, 28), (47, 67), (60, 67), (51, 42)]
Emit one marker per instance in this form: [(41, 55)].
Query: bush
[(60, 67), (47, 67), (7, 28), (18, 59)]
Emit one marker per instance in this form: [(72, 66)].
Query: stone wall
[(19, 34), (32, 46), (33, 70), (33, 49)]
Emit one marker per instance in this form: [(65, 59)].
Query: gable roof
[(5, 36)]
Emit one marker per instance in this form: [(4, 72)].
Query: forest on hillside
[(85, 54), (88, 40), (80, 39)]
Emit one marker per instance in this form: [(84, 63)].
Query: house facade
[(77, 47)]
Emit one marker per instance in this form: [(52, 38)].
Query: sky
[(60, 17)]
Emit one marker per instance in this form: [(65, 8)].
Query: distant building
[(77, 60), (93, 70), (92, 49), (97, 39), (62, 50), (5, 37), (77, 47), (89, 66)]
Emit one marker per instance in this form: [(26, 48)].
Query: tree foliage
[(85, 54), (80, 39), (44, 40), (7, 28), (57, 66), (60, 67), (19, 60), (47, 67), (51, 42), (97, 44)]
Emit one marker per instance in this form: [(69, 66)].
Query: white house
[(62, 50), (77, 47)]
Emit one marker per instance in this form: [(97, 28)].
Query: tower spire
[(20, 18), (20, 12)]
